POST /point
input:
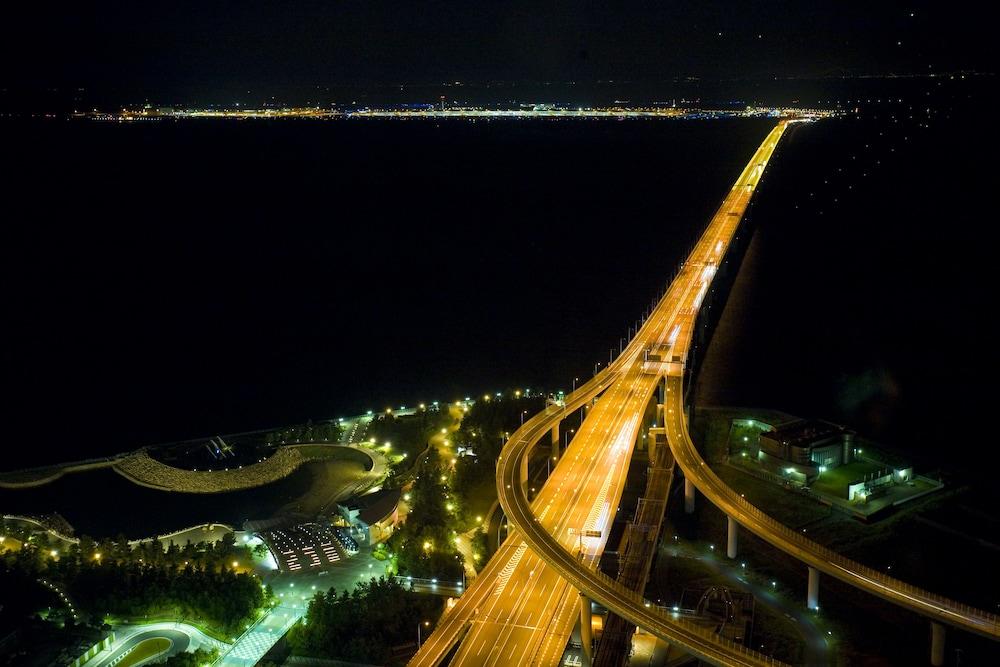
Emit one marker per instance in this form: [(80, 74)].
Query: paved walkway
[(293, 591), (183, 637)]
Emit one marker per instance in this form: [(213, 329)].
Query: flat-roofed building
[(808, 445), (372, 517)]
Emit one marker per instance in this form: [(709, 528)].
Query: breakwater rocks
[(141, 468)]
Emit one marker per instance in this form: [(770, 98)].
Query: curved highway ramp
[(523, 606)]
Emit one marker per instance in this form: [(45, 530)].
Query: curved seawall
[(144, 470)]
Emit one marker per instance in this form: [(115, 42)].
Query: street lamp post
[(425, 624)]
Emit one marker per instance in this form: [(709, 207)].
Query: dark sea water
[(168, 280), (866, 295), (171, 280), (102, 503)]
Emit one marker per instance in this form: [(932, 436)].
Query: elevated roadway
[(650, 356), (520, 610)]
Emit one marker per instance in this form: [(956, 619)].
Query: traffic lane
[(663, 318), (517, 622), (454, 622), (520, 629), (628, 604), (446, 634), (506, 475), (554, 624), (731, 202), (822, 558)]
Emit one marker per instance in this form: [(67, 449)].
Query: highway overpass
[(520, 610)]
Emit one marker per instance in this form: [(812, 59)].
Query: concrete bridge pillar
[(733, 535), (937, 644), (661, 391), (812, 593), (656, 444), (555, 440), (586, 631), (688, 496)]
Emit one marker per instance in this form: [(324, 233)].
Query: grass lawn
[(778, 635), (835, 480), (329, 452), (332, 481), (146, 649), (788, 507)]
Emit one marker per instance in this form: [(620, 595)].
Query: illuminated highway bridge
[(522, 608)]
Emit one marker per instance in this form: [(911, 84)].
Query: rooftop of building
[(804, 432), (373, 507)]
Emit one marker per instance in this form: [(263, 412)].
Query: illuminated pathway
[(522, 608)]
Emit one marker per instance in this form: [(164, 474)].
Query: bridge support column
[(661, 391), (733, 535), (812, 593), (555, 440), (586, 631), (937, 644), (688, 496)]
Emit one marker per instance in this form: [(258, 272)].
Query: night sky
[(167, 276), (212, 51), (169, 281)]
